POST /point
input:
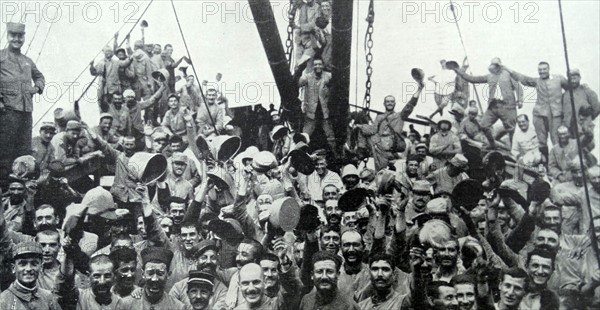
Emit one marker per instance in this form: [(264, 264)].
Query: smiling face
[(125, 273), (101, 278), (321, 167), (523, 123), (270, 273), (155, 276), (16, 40), (189, 236), (512, 290), (50, 246), (412, 167), (390, 103), (252, 284), (318, 66), (552, 219), (211, 96), (207, 261), (446, 298), (177, 212), (26, 269), (465, 295), (547, 237), (447, 254), (325, 276), (246, 253), (330, 241), (539, 269), (382, 275), (106, 124), (544, 71), (352, 247), (173, 103), (333, 213), (199, 295), (45, 219)]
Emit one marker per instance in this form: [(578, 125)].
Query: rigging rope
[(194, 68), (44, 43), (369, 54), (462, 42), (574, 123), (33, 37), (86, 66)]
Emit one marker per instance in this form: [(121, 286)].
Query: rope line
[(462, 42), (579, 150), (44, 43), (33, 37), (86, 67), (194, 68)]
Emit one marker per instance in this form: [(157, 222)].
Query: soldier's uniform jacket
[(16, 73)]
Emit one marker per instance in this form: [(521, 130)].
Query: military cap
[(128, 93), (574, 71), (173, 95), (459, 161), (437, 206), (73, 125), (179, 157), (157, 255), (159, 135), (421, 145), (201, 277), (349, 170), (204, 246), (15, 27), (106, 115), (29, 247), (422, 186), (264, 161), (48, 126)]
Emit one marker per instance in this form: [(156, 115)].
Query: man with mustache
[(382, 279), (325, 272), (252, 285), (330, 238), (583, 96), (248, 251), (24, 293), (354, 274), (446, 259), (16, 98), (581, 278), (15, 207), (421, 195), (333, 213), (441, 296), (99, 295), (156, 268), (206, 253), (125, 263), (280, 278), (178, 185), (540, 266), (200, 290)]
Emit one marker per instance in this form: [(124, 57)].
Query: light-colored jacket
[(16, 73), (315, 90)]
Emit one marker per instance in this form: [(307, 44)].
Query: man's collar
[(23, 292)]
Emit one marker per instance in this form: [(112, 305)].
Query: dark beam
[(341, 33)]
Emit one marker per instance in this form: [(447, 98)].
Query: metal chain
[(369, 55), (289, 43)]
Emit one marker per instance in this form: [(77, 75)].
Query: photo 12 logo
[(71, 11), (490, 12)]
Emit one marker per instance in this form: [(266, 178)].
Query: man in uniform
[(157, 264), (23, 293), (16, 94), (41, 149)]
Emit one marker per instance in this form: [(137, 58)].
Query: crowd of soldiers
[(175, 217)]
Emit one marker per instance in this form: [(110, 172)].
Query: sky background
[(222, 37)]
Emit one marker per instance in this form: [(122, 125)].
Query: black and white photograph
[(299, 155)]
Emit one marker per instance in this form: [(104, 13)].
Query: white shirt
[(524, 142)]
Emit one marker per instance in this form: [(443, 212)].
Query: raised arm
[(471, 78), (525, 80), (152, 100)]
